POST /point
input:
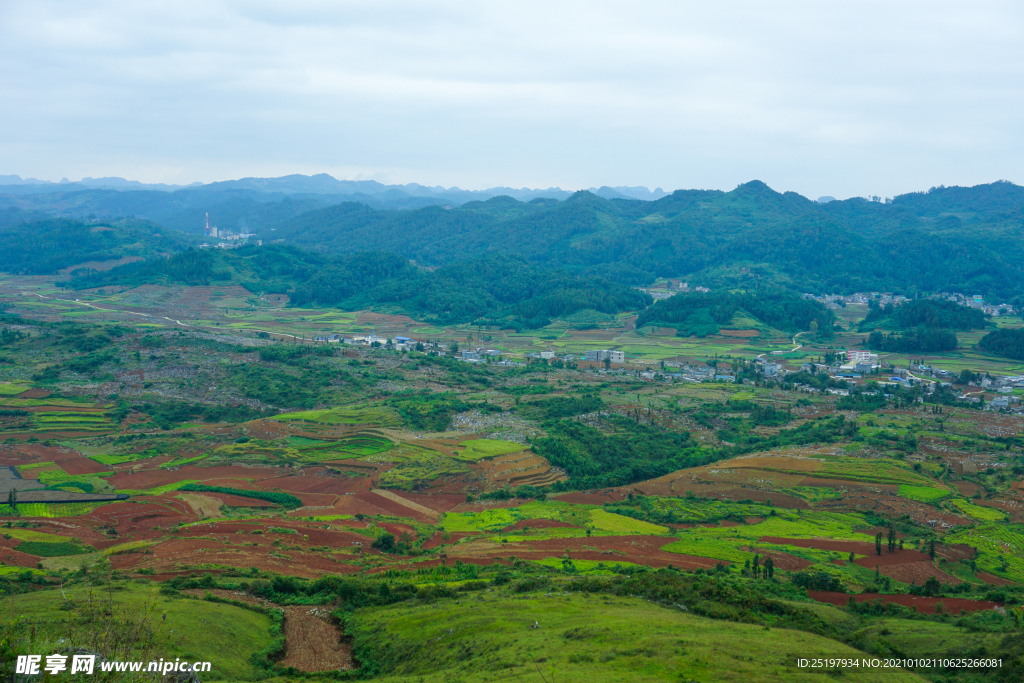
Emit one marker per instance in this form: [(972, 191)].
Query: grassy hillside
[(582, 638), (134, 621)]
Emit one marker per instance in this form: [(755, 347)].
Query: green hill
[(45, 247), (743, 238)]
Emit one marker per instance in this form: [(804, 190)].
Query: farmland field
[(363, 491)]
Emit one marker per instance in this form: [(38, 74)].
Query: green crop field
[(29, 535), (925, 494), (1000, 548), (619, 524), (978, 512), (55, 510), (375, 415), (873, 471), (701, 546), (487, 520)]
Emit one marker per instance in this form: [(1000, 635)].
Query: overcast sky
[(837, 98)]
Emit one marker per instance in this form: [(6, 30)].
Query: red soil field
[(310, 482), (887, 559), (608, 549), (921, 604), (994, 580), (167, 556), (81, 465), (151, 478), (591, 497), (34, 393), (16, 558), (918, 573), (439, 503)]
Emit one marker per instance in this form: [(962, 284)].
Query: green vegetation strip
[(285, 500)]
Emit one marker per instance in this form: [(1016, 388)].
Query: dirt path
[(394, 497), (312, 643)]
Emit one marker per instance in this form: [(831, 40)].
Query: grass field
[(582, 638), (376, 415), (1000, 548), (478, 449), (186, 632), (978, 512), (620, 524), (924, 494)]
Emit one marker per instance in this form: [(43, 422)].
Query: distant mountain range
[(324, 184)]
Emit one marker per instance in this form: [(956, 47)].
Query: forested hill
[(495, 289), (743, 238), (48, 246)]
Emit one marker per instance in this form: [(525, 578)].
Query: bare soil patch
[(920, 603), (312, 642), (918, 573), (204, 506)]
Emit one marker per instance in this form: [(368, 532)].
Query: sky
[(840, 98)]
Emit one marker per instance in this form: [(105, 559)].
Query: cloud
[(838, 99)]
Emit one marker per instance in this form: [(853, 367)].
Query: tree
[(12, 500), (878, 543), (769, 568), (931, 549), (385, 542), (757, 566), (892, 538), (607, 363)]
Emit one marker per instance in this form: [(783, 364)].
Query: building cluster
[(977, 301), (690, 373), (228, 238), (672, 287)]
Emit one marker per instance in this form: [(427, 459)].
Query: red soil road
[(609, 549), (921, 604)]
